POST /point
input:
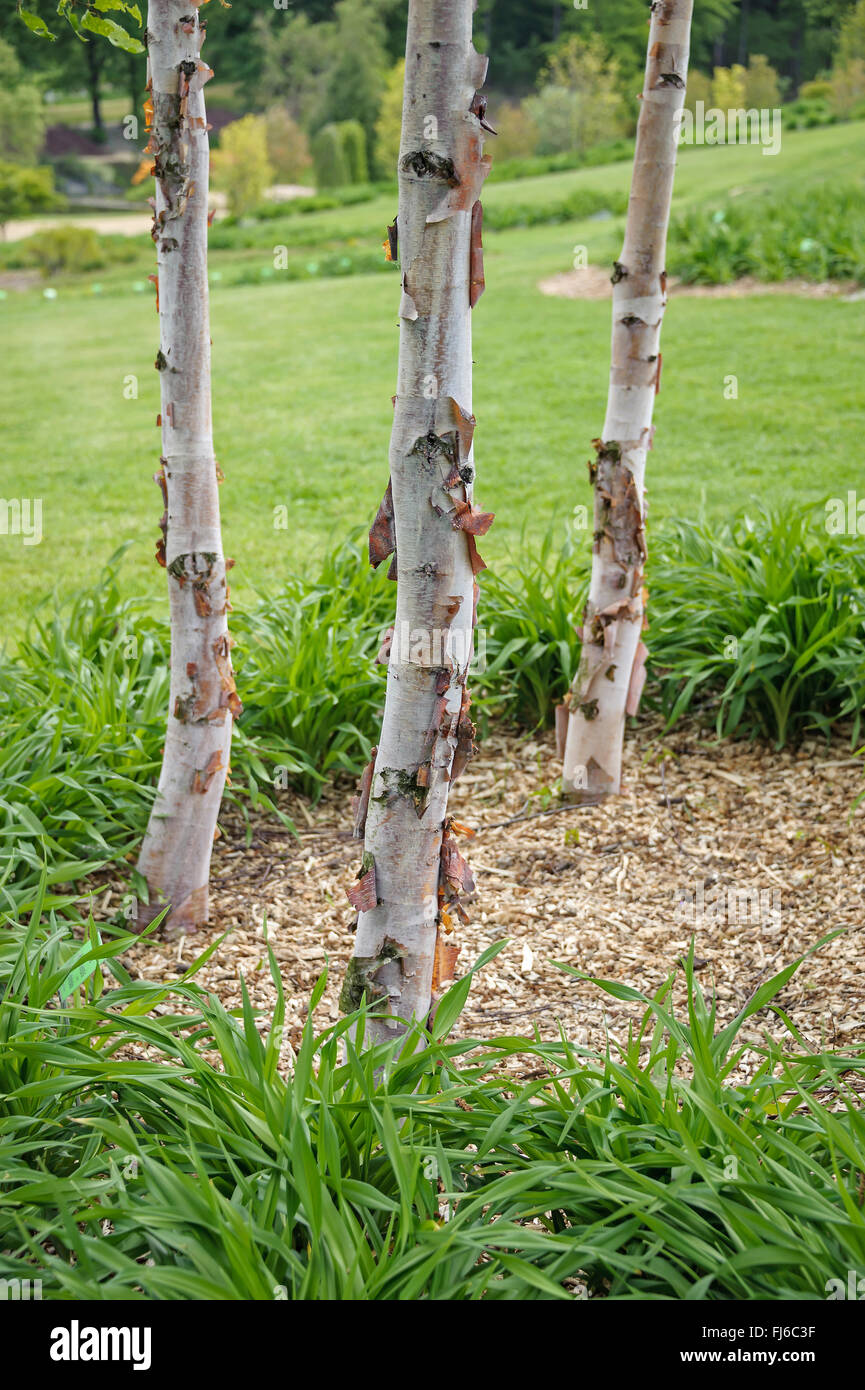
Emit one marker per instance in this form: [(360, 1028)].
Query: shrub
[(25, 191), (820, 89), (728, 87), (388, 126), (762, 88), (517, 134), (847, 88), (819, 236), (762, 621), (70, 249), (287, 147), (851, 38), (240, 164), (354, 150), (699, 88), (578, 104), (331, 168)]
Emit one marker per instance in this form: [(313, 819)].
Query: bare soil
[(593, 282)]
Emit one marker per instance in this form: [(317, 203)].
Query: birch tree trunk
[(610, 677), (175, 855), (412, 874)]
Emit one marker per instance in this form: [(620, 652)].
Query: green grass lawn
[(304, 372)]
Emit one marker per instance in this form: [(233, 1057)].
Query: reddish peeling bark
[(413, 877), (175, 855), (608, 683)]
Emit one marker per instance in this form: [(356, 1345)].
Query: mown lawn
[(304, 372)]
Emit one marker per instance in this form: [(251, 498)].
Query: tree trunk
[(175, 856), (611, 672), (412, 874)]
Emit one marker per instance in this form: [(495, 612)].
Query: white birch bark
[(175, 855), (609, 680), (412, 872)]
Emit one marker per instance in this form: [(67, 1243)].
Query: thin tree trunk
[(611, 672), (413, 874), (175, 856)]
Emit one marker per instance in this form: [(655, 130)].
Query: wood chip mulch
[(593, 282), (767, 838)]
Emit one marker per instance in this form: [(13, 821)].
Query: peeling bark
[(611, 671), (175, 855), (429, 522)]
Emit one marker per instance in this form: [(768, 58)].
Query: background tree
[(72, 57), (412, 873), (240, 165), (388, 125), (579, 102), (22, 114), (610, 677), (287, 146)]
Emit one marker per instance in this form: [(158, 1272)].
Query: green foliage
[(757, 626), (287, 147), (851, 39), (578, 104), (312, 694), (153, 1148), (728, 87), (240, 164), (83, 709), (388, 126), (517, 133), (355, 80), (808, 114), (328, 155), (762, 87), (22, 118), (819, 89), (818, 235), (75, 796), (699, 88), (69, 249), (761, 621), (582, 202), (847, 93), (610, 152), (81, 15), (527, 617), (354, 150), (25, 191)]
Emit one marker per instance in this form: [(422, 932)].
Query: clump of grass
[(816, 236), (528, 615), (312, 692), (760, 621), (756, 625), (156, 1145)]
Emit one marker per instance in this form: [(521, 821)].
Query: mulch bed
[(612, 890), (593, 282)]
